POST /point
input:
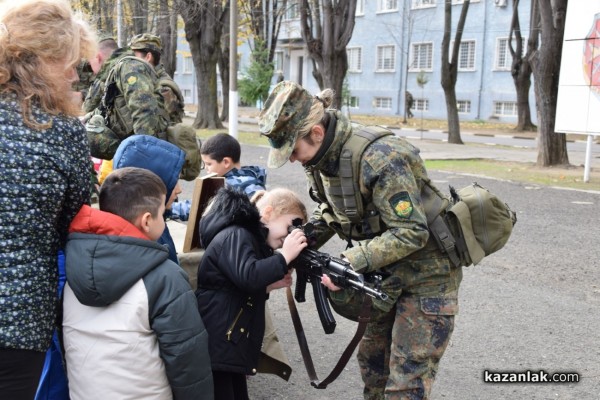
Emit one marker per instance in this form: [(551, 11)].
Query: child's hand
[(326, 281), (293, 244), (285, 282)]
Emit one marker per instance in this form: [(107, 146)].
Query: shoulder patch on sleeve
[(131, 80), (402, 204)]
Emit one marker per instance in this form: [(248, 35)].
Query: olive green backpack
[(480, 221)]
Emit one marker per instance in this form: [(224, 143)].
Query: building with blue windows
[(396, 46)]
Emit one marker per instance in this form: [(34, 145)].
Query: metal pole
[(588, 159), (233, 94)]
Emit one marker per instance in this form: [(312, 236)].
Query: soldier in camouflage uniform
[(86, 78), (149, 47), (402, 346), (132, 105)]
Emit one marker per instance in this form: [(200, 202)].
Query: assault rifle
[(310, 266)]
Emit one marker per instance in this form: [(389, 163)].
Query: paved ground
[(531, 306)]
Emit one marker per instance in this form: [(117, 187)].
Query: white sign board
[(578, 105)]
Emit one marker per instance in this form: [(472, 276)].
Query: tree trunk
[(203, 32), (326, 29), (545, 61), (167, 30), (223, 62), (139, 9), (521, 69), (450, 68)]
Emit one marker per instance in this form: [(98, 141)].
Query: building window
[(386, 58), (353, 103), (278, 61), (293, 10), (360, 7), (188, 65), (423, 3), (387, 5), (354, 59), (503, 56), (463, 106), (187, 94), (505, 108), (422, 57), (421, 105), (466, 56), (383, 103)]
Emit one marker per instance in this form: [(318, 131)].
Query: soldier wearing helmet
[(370, 186), (149, 47)]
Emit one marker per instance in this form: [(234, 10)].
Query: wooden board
[(204, 190)]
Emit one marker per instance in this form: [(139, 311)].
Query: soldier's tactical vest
[(117, 114), (350, 215), (340, 195)]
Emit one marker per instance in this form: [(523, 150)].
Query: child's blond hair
[(283, 201)]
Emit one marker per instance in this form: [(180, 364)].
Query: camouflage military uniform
[(400, 351), (86, 78), (135, 108), (174, 102)]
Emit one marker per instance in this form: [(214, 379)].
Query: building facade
[(396, 46)]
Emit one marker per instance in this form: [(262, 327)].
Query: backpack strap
[(349, 169)]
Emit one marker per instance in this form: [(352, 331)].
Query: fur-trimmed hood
[(229, 207)]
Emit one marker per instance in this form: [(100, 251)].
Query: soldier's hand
[(326, 281)]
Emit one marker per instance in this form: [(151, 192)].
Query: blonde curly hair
[(37, 36)]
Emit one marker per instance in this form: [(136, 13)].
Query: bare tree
[(167, 30), (223, 62), (450, 67), (520, 68), (139, 15), (264, 21), (545, 62), (327, 27), (203, 21)]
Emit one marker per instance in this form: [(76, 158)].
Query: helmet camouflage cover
[(146, 41), (284, 113)]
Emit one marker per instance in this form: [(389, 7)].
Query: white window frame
[(293, 10), (360, 8), (469, 46), (415, 4), (378, 103), (428, 67), (382, 57), (507, 56), (278, 61), (462, 1), (188, 65), (354, 65), (500, 108), (463, 106), (421, 105), (354, 102), (386, 6)]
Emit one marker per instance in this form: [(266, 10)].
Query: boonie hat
[(146, 41), (284, 113)]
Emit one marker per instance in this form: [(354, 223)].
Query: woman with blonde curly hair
[(44, 164)]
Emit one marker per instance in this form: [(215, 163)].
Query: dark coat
[(233, 276), (44, 180)]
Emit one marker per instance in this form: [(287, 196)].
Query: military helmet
[(146, 41), (284, 113)]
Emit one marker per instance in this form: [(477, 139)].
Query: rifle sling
[(363, 320)]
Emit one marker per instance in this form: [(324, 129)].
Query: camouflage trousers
[(400, 352)]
